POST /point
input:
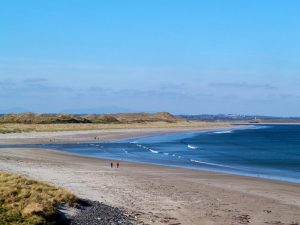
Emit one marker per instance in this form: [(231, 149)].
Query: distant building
[(255, 120)]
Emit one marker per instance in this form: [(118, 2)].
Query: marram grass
[(28, 202)]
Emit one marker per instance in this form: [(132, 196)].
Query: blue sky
[(191, 57)]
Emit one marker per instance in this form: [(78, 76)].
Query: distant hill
[(146, 117), (32, 118)]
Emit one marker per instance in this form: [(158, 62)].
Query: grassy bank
[(32, 118), (27, 202)]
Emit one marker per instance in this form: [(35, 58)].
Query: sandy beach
[(154, 194), (101, 135)]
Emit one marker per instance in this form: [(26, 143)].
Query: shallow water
[(271, 151)]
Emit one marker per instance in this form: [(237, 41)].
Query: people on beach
[(112, 164)]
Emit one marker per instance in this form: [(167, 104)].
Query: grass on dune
[(26, 122), (28, 202), (33, 118)]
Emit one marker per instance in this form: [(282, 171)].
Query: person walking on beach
[(118, 164), (111, 164)]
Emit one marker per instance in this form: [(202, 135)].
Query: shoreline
[(162, 166), (241, 174), (171, 132), (157, 194)]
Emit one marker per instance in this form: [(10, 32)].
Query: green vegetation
[(16, 123), (27, 202), (31, 118)]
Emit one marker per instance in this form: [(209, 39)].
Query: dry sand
[(94, 135), (157, 194)]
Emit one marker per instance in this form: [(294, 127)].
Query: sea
[(266, 151)]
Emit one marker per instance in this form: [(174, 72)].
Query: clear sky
[(182, 56)]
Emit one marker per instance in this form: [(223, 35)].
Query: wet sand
[(160, 195)]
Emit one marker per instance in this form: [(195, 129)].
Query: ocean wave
[(153, 151), (192, 146), (166, 153), (223, 132), (210, 164), (144, 147)]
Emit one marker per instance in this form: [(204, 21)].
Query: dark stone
[(96, 213)]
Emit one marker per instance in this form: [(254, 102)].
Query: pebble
[(96, 213)]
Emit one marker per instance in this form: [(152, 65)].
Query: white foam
[(125, 151), (192, 146), (166, 153), (144, 147), (211, 164), (153, 151), (223, 132)]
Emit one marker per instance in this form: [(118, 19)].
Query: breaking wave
[(210, 164), (223, 132), (144, 147), (192, 147), (153, 151)]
